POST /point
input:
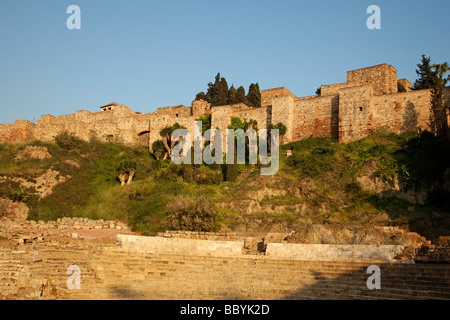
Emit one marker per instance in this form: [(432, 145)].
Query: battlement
[(269, 94), (383, 78), (346, 111)]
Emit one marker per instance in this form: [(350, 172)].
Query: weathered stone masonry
[(369, 99)]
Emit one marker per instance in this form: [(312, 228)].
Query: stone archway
[(144, 138)]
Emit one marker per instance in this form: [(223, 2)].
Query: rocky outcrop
[(355, 235), (12, 211), (31, 152), (43, 184)]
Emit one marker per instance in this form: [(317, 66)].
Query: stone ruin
[(348, 111)]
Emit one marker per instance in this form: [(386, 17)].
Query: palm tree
[(166, 135)]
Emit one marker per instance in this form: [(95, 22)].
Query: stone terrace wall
[(343, 253), (30, 231), (347, 253), (181, 246), (222, 236)]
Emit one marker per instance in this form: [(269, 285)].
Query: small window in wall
[(176, 115), (360, 108)]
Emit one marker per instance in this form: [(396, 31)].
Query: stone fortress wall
[(369, 99)]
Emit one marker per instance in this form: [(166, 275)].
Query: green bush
[(69, 141), (192, 215), (313, 161)]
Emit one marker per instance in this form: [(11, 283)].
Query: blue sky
[(149, 54)]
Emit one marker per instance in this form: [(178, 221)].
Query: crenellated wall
[(344, 111), (383, 78)]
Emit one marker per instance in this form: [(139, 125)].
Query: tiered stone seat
[(111, 272)]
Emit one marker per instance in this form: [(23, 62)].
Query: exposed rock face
[(12, 211), (355, 235), (43, 184), (391, 189), (33, 153), (395, 188)]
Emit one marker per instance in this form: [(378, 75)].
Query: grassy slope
[(318, 184)]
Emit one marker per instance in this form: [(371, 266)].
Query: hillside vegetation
[(384, 179)]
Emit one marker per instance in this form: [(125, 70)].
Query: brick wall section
[(118, 125), (261, 115), (356, 114), (383, 78), (317, 117), (269, 94), (332, 89), (200, 107), (403, 111), (221, 117), (283, 111), (20, 131), (406, 84)]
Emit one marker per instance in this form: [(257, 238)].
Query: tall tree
[(254, 95), (439, 123), (222, 97), (166, 135), (200, 96), (425, 73), (240, 95), (212, 95), (232, 95), (159, 150)]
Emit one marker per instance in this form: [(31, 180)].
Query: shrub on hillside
[(313, 160), (192, 215), (68, 141)]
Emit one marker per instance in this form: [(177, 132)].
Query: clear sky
[(148, 54)]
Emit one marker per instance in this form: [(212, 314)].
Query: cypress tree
[(212, 95), (258, 95), (254, 95), (240, 95), (439, 108), (222, 97), (200, 96), (232, 95)]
